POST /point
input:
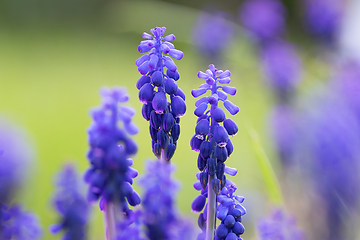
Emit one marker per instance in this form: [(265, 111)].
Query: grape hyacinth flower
[(161, 219), (323, 18), (130, 228), (71, 204), (264, 19), (279, 226), (282, 68), (15, 223), (206, 35), (211, 139), (110, 176), (154, 85)]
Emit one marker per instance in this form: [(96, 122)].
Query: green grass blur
[(49, 79)]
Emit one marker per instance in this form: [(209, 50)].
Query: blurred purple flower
[(282, 67), (330, 141), (161, 219), (323, 18), (264, 19), (71, 204), (212, 33), (130, 227), (279, 226), (16, 155), (18, 224), (110, 176)]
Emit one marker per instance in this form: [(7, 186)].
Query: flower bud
[(211, 166), (144, 68), (238, 228), (222, 213), (130, 146), (221, 136), (202, 221), (180, 93), (236, 213), (199, 111), (155, 120), (205, 149), (204, 179), (134, 199), (174, 75), (156, 149), (229, 221), (198, 204), (195, 143), (229, 90), (201, 163), (175, 132), (169, 64), (159, 103), (231, 127), (218, 114), (232, 108), (127, 189), (198, 92), (146, 93), (146, 110), (142, 59), (221, 153), (223, 181), (171, 86), (202, 128), (229, 147), (157, 78), (153, 62), (170, 150), (153, 133), (142, 80), (162, 138), (222, 231), (167, 122), (178, 106), (215, 184)]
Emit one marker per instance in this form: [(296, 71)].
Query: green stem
[(267, 171)]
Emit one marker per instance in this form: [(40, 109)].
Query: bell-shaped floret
[(176, 54), (168, 121), (134, 199), (221, 136), (204, 179), (222, 231), (218, 114), (142, 80), (229, 221), (142, 59), (232, 108), (229, 147), (199, 111), (221, 153), (153, 133), (178, 106), (198, 92), (169, 64), (211, 166), (215, 184), (175, 132), (162, 138), (174, 75), (198, 204), (229, 90), (180, 93), (156, 149), (231, 127), (146, 93), (205, 149), (201, 163), (202, 128), (155, 120), (238, 228), (157, 78), (144, 68), (170, 150), (159, 102), (146, 110), (171, 86), (201, 221), (195, 143), (153, 62), (222, 213)]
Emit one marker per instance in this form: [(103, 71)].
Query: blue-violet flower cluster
[(155, 85), (71, 204), (110, 176)]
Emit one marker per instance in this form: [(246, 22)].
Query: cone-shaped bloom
[(156, 84), (110, 149), (71, 204)]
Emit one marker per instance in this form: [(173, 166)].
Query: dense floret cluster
[(110, 176), (164, 117)]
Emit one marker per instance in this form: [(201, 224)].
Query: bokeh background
[(56, 55)]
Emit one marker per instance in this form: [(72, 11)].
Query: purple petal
[(231, 171), (177, 54), (146, 35), (203, 75), (198, 92), (170, 37), (142, 59), (224, 80), (229, 90), (225, 74), (232, 108), (200, 101)]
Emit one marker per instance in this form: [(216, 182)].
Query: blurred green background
[(55, 56)]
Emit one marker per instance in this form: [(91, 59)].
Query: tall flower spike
[(71, 204), (212, 141), (155, 85), (110, 176)]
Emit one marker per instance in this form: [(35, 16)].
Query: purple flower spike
[(212, 140), (71, 204), (161, 84), (110, 147)]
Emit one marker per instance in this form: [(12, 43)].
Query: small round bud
[(220, 153), (170, 150), (198, 204), (175, 132), (218, 114), (159, 102), (201, 163), (171, 86), (231, 127), (178, 106), (205, 149), (221, 136), (168, 121), (157, 78), (174, 75), (229, 221), (222, 231), (211, 166), (142, 80), (146, 93)]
